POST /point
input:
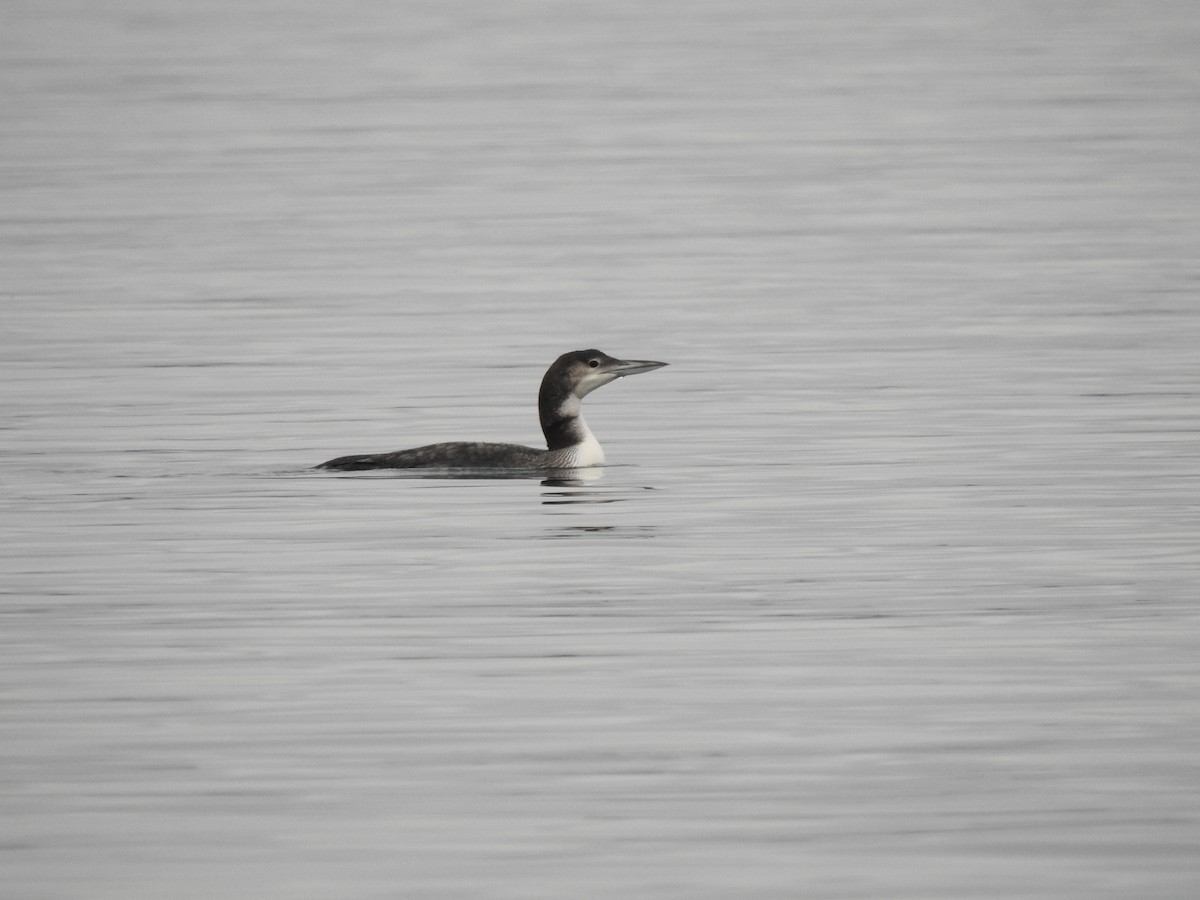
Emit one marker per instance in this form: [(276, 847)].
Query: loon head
[(569, 379), (578, 373)]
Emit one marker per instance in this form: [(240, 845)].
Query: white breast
[(587, 452)]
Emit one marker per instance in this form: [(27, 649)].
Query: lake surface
[(889, 589)]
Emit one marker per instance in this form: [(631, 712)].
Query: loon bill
[(570, 444)]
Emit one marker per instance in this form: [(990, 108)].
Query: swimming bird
[(570, 444)]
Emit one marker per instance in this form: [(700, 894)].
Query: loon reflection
[(570, 444)]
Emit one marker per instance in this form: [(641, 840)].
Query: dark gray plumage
[(569, 442)]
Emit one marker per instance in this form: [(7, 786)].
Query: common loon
[(570, 444)]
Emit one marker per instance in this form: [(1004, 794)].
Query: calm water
[(890, 590)]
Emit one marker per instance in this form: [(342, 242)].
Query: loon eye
[(594, 363)]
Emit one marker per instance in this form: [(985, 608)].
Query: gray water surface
[(889, 589)]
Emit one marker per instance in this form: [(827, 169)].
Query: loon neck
[(562, 422)]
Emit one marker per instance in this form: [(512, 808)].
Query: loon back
[(569, 442), (453, 454)]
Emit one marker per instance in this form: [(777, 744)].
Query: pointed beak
[(622, 367)]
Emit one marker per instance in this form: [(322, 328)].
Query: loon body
[(570, 444)]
